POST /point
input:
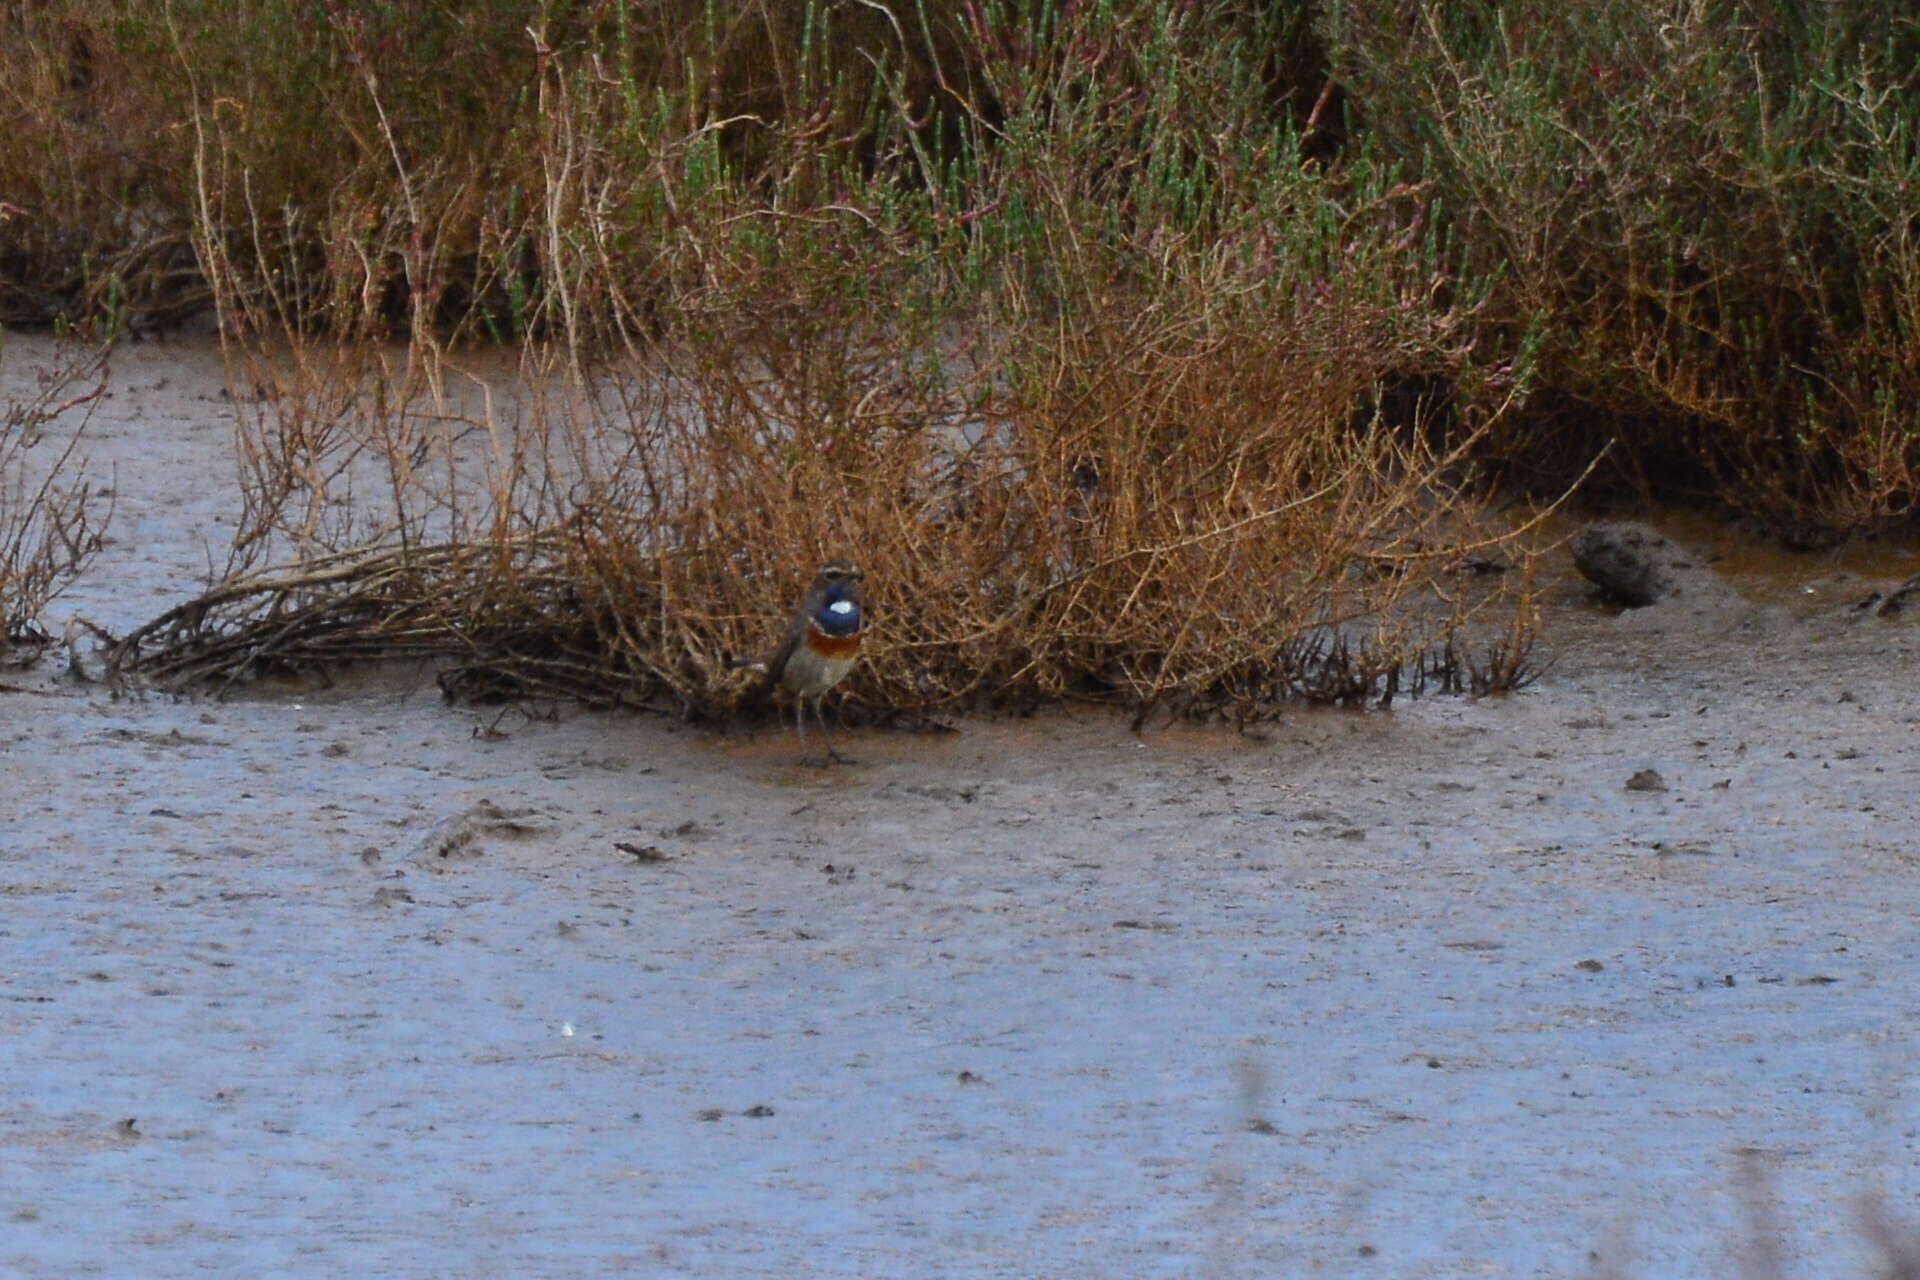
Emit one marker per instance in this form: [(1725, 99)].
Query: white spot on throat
[(841, 607)]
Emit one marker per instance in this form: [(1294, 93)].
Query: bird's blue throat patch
[(839, 616)]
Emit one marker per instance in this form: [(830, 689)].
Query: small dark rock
[(1887, 603), (1900, 597), (642, 852), (1647, 780), (1630, 563)]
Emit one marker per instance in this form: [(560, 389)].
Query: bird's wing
[(775, 663)]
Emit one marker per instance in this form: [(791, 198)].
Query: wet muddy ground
[(347, 981)]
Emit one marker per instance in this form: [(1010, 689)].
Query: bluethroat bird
[(819, 648)]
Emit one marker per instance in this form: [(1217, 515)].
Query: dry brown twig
[(50, 528)]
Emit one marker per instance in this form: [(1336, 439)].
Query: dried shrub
[(1107, 430), (1168, 507), (641, 531), (1693, 223), (374, 167), (1703, 214), (50, 528)]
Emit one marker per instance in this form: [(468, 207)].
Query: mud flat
[(347, 981)]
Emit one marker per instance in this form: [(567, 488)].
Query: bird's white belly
[(809, 675)]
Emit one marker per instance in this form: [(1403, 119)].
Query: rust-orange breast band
[(832, 646)]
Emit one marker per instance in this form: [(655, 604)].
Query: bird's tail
[(763, 667)]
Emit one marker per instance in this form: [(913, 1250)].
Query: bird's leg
[(820, 712)]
